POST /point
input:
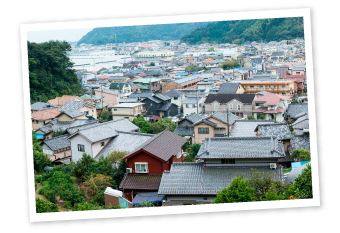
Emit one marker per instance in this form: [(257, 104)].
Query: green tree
[(302, 186), (119, 173), (211, 49), (57, 133), (146, 203), (230, 64), (40, 160), (50, 71), (105, 115), (92, 186), (152, 64), (42, 206), (81, 169), (301, 154), (144, 126), (239, 190)]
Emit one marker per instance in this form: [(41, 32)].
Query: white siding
[(75, 140)]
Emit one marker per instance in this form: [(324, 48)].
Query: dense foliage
[(192, 150), (45, 206), (302, 186), (40, 160), (92, 186), (156, 127), (129, 34), (239, 31), (50, 71), (301, 154)]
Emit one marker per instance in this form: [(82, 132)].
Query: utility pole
[(197, 101), (228, 121)]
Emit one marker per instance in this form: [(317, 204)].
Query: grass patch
[(287, 170)]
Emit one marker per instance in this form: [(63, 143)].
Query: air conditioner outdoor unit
[(128, 170), (273, 166)]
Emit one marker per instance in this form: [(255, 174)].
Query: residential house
[(189, 82), (223, 159), (272, 106), (246, 128), (238, 104), (300, 81), (160, 105), (92, 139), (41, 117), (193, 105), (121, 79), (299, 70), (148, 83), (123, 89), (177, 98), (57, 149), (294, 111), (76, 110), (301, 125), (185, 126), (127, 110), (149, 160), (109, 97)]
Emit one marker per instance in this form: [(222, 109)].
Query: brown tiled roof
[(163, 145), (45, 114), (141, 181), (62, 100)]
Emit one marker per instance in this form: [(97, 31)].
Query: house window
[(176, 98), (230, 106), (141, 167), (297, 72), (228, 161), (251, 86), (260, 86), (194, 105), (283, 86), (203, 130), (238, 107), (114, 109), (215, 106), (187, 105), (102, 143), (81, 148)]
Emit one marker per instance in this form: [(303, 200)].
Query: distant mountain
[(129, 34), (238, 31)]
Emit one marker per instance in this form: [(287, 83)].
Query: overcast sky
[(70, 35)]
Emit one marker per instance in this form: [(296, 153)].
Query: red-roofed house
[(272, 106), (40, 118), (146, 164), (103, 77)]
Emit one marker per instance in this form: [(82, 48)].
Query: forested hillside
[(50, 71), (238, 31), (129, 34)]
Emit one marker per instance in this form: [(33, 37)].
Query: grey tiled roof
[(141, 95), (46, 129), (162, 97), (223, 116), (301, 123), (195, 117), (98, 132), (165, 106), (200, 179), (124, 141), (73, 113), (140, 181), (225, 98), (182, 81), (295, 109), (299, 142), (240, 147), (42, 106), (71, 105), (281, 131), (57, 143), (228, 88), (187, 131), (163, 145), (245, 128)]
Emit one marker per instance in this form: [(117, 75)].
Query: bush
[(302, 186), (146, 203), (86, 206), (92, 186), (115, 156), (301, 154), (115, 207), (260, 182), (275, 192), (239, 190), (81, 169), (99, 199), (42, 206)]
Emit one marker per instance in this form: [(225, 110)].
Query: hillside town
[(184, 120)]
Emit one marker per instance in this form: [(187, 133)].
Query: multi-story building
[(127, 110), (189, 82)]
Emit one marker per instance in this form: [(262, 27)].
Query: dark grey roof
[(73, 113), (163, 145), (301, 123), (225, 98), (128, 100), (200, 179), (193, 117), (42, 106), (156, 100), (124, 141), (61, 125), (45, 129), (191, 78), (187, 131), (165, 106), (173, 93), (57, 143), (295, 109), (281, 131), (228, 88), (245, 128), (162, 97), (295, 173), (240, 147), (223, 116), (299, 142)]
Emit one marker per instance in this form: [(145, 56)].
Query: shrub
[(146, 203), (115, 156), (86, 206), (239, 190), (116, 207), (92, 186), (42, 206), (274, 193), (302, 186), (260, 182), (301, 154), (81, 169), (99, 198)]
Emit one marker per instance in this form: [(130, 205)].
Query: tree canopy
[(50, 71)]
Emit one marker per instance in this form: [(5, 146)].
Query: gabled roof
[(98, 132), (240, 147), (45, 114), (141, 95), (57, 143), (73, 105), (163, 146), (42, 106), (141, 181), (225, 98), (295, 109), (271, 99), (228, 88), (62, 100), (173, 93)]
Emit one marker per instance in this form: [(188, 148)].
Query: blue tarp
[(151, 197), (38, 135), (298, 164)]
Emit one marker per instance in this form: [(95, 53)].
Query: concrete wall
[(75, 140)]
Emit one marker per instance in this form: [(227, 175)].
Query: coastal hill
[(238, 31), (142, 33)]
